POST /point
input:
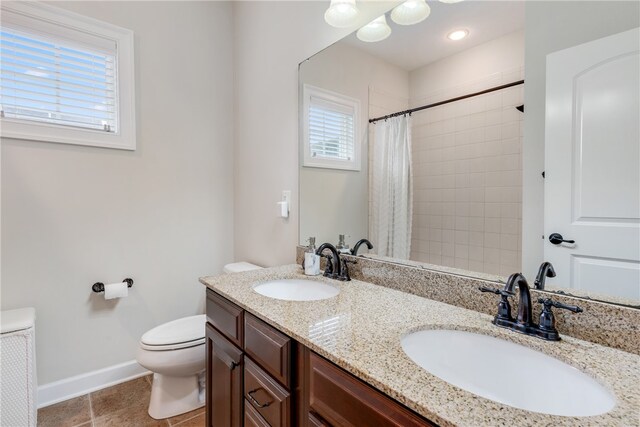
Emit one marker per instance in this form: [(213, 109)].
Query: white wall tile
[(462, 252), (492, 240), (462, 237), (476, 253), (476, 238), (468, 178)]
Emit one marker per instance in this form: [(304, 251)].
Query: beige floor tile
[(130, 395), (197, 421), (132, 417), (183, 417), (69, 413)]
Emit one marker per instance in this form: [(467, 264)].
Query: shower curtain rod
[(424, 107)]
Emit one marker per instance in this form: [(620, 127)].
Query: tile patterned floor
[(122, 405)]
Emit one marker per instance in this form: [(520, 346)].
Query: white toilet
[(175, 353)]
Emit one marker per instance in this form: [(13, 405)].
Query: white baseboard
[(68, 388)]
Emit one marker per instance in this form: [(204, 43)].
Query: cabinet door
[(224, 381)]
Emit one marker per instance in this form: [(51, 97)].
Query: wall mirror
[(523, 144)]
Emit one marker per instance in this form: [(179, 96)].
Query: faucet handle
[(504, 308), (328, 267), (548, 302), (345, 268), (500, 292), (547, 324)]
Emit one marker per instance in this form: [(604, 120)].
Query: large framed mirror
[(522, 145)]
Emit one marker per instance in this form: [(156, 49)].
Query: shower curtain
[(391, 188)]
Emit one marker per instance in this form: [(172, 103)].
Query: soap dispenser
[(342, 247), (311, 259)]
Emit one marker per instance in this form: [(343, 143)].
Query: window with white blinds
[(330, 129), (65, 77), (44, 80)]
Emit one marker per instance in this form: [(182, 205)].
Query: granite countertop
[(361, 328)]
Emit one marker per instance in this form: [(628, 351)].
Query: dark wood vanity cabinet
[(224, 380), (259, 377)]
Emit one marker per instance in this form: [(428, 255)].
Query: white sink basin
[(508, 373), (297, 290)]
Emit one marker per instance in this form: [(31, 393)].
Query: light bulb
[(410, 12), (457, 35), (341, 13), (375, 31)]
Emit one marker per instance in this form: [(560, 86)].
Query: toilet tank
[(238, 267)]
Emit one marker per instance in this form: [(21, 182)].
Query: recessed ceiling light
[(457, 34)]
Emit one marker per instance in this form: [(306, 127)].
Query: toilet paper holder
[(99, 286)]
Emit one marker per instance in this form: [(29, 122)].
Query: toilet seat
[(174, 335)]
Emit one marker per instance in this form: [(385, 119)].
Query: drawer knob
[(255, 402)]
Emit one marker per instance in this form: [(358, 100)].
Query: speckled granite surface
[(602, 323), (361, 328)]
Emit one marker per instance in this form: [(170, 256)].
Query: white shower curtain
[(391, 188)]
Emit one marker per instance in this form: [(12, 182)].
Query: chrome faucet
[(333, 268), (524, 323), (545, 270), (354, 251)]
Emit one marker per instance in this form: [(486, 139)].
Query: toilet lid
[(187, 330)]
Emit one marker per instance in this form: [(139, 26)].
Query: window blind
[(47, 80), (331, 130)]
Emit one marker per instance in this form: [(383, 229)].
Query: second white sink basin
[(297, 290), (507, 373)]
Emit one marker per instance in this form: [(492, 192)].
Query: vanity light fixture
[(410, 12), (375, 31), (341, 13), (456, 35)]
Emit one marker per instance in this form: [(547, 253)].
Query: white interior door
[(592, 165)]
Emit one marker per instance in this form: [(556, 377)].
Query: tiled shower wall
[(467, 167)]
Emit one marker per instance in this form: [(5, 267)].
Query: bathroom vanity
[(262, 377), (339, 361)]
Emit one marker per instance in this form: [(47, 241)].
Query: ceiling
[(415, 46)]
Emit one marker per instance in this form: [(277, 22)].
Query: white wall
[(162, 214), (552, 26), (468, 69), (271, 39), (334, 201)]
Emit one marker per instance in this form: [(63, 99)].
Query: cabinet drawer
[(252, 418), (315, 422), (269, 347), (266, 396), (225, 316), (341, 399)]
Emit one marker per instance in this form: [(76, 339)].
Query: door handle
[(556, 239)]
